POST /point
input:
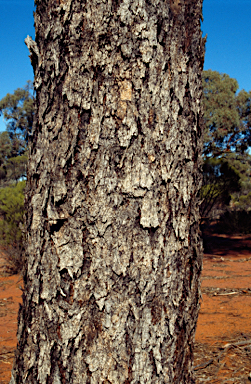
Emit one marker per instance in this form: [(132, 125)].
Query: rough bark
[(113, 249)]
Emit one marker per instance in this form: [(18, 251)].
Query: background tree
[(237, 217), (11, 202), (11, 214), (226, 115), (226, 140), (222, 120), (220, 181), (12, 167), (5, 153), (18, 111), (241, 199), (243, 102), (113, 253)]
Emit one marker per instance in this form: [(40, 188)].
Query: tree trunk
[(113, 249)]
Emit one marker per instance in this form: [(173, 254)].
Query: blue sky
[(228, 49)]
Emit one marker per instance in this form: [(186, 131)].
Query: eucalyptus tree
[(227, 115), (18, 110), (113, 250), (227, 138)]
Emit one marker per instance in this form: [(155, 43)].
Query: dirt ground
[(223, 337), (10, 297)]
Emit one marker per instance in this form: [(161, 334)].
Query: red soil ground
[(223, 337), (10, 297)]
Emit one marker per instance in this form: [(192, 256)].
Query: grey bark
[(113, 250)]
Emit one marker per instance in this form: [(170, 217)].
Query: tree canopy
[(18, 112), (227, 138), (226, 115)]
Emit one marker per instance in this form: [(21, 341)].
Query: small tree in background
[(243, 104), (226, 140), (11, 212), (16, 167), (224, 128), (18, 111), (241, 199), (5, 154), (12, 168), (220, 180)]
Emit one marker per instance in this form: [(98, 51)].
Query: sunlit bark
[(113, 250)]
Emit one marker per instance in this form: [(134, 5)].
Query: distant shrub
[(220, 181), (242, 202), (12, 212), (238, 221)]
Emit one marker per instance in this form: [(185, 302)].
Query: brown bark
[(113, 250)]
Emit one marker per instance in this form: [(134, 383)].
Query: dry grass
[(225, 361)]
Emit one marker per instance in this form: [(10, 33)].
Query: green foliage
[(227, 118), (235, 222), (243, 103), (220, 113), (16, 167), (12, 168), (226, 115), (243, 202), (220, 180), (12, 212), (242, 163), (5, 153), (5, 147), (18, 111)]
